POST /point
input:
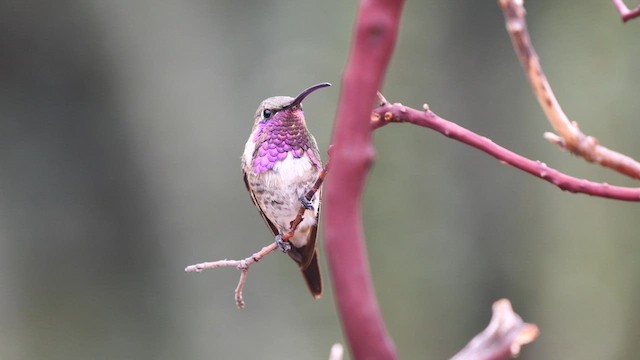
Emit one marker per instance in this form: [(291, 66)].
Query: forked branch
[(569, 135), (244, 264), (624, 11), (388, 113)]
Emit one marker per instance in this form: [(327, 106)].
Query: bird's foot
[(285, 246), (306, 203)]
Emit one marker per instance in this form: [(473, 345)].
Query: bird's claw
[(306, 203), (285, 246)]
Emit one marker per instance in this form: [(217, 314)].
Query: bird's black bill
[(298, 100)]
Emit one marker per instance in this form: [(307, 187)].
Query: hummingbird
[(280, 164)]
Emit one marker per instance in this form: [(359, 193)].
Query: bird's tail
[(312, 276)]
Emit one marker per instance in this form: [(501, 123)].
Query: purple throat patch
[(278, 137)]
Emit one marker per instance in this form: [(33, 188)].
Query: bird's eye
[(266, 113)]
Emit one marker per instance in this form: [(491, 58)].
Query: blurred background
[(121, 129)]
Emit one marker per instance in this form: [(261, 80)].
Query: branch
[(570, 137), (624, 11), (337, 351), (244, 264), (374, 39), (398, 113), (503, 337)]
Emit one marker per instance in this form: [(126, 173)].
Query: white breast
[(249, 148)]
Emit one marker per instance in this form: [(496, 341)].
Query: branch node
[(243, 265), (514, 26), (555, 139), (425, 107), (575, 124), (381, 98), (388, 116), (543, 172)]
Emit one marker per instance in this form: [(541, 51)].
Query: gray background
[(121, 128)]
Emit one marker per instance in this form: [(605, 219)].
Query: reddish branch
[(569, 135), (244, 264), (375, 35), (388, 113), (502, 339), (624, 11)]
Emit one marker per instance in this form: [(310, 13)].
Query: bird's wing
[(304, 255), (273, 228)]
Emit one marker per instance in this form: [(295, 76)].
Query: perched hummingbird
[(280, 164)]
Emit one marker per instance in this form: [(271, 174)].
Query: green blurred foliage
[(121, 129)]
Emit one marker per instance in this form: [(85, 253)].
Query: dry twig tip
[(573, 139), (503, 337)]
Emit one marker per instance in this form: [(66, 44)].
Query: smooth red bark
[(375, 34), (399, 113), (624, 11)]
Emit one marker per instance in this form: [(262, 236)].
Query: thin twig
[(399, 113), (238, 291), (569, 135), (624, 11), (244, 264), (503, 337)]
